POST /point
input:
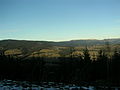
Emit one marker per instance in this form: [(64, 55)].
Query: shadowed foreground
[(82, 70)]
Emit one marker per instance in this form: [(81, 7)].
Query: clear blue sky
[(59, 19)]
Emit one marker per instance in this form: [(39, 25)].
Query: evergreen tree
[(86, 56), (101, 65), (116, 67), (86, 70)]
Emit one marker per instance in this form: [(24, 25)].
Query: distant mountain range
[(32, 46), (88, 42), (10, 44)]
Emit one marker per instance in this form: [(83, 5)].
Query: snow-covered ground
[(24, 85)]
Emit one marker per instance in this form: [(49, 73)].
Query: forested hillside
[(81, 70), (21, 48)]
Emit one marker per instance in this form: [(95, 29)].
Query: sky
[(59, 20)]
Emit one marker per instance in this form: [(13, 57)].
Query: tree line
[(103, 70)]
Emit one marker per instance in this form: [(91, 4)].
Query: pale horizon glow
[(61, 40)]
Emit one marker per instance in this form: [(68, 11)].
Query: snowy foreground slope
[(24, 85)]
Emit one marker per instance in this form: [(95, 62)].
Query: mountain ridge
[(29, 47), (65, 43)]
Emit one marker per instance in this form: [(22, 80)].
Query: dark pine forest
[(103, 70)]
